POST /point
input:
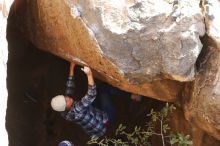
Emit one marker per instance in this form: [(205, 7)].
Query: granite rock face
[(146, 40)]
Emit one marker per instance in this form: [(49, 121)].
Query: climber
[(92, 120)]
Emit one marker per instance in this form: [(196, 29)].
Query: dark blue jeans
[(105, 93)]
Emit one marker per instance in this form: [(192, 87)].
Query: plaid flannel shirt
[(83, 113)]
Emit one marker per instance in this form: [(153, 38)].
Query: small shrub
[(141, 136)]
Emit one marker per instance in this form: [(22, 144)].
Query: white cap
[(58, 103)]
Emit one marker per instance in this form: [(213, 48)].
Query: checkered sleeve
[(70, 86), (87, 99)]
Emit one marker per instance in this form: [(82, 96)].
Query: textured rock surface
[(143, 46), (129, 44), (4, 10), (199, 137), (138, 36), (203, 107)]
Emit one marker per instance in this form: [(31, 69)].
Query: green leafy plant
[(141, 136), (180, 139)]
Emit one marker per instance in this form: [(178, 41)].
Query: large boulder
[(138, 36), (144, 47)]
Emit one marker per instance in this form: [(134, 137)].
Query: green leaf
[(165, 128), (173, 141)]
